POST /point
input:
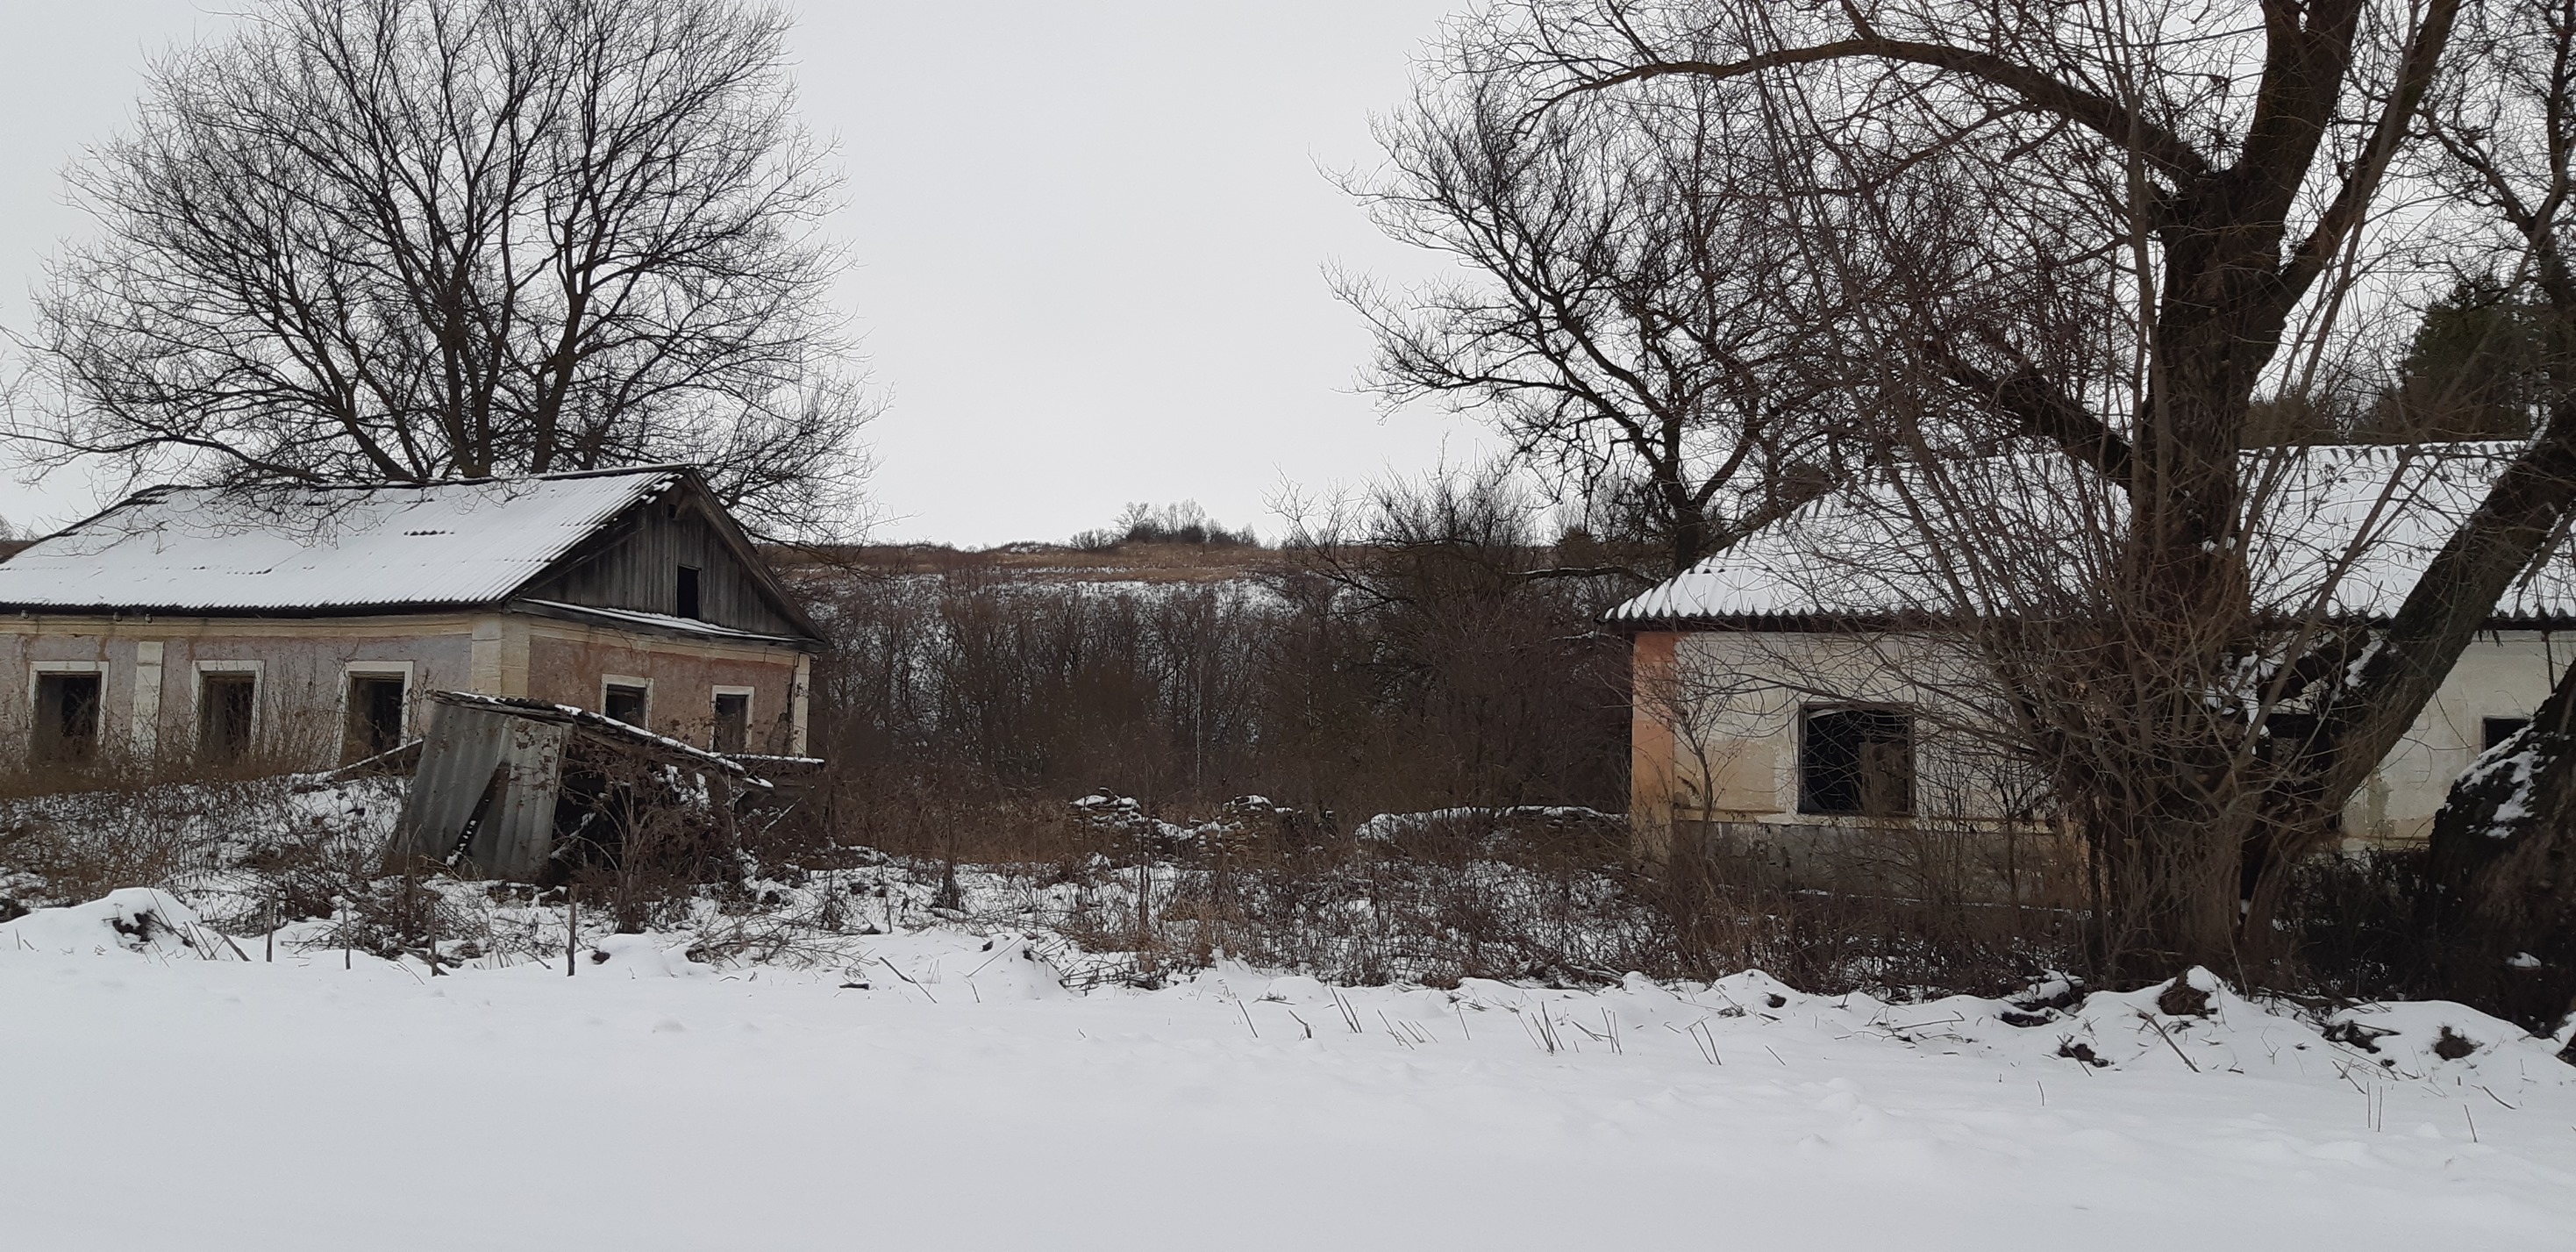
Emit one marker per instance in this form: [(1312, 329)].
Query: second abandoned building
[(1824, 675), (302, 625)]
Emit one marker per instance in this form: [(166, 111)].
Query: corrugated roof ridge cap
[(161, 493), (159, 490)]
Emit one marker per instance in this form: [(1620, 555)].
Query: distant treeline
[(1185, 522)]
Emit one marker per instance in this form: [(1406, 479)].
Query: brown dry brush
[(1541, 893), (71, 834), (1549, 895), (1405, 660)]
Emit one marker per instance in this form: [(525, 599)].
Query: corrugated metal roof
[(660, 621), (2356, 524), (301, 549)]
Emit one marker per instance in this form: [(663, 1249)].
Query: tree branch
[(2041, 410), (2167, 151)]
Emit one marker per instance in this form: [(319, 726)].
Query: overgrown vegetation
[(1395, 753), (1152, 775), (1398, 656), (1534, 893)]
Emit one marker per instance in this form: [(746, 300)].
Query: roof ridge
[(162, 491)]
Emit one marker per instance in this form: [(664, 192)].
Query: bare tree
[(1485, 684), (1633, 320), (2108, 229), (400, 240)]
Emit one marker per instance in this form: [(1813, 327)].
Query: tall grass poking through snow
[(1548, 896)]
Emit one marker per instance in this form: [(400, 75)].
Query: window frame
[(36, 669), (632, 682), (1905, 715), (352, 671), (37, 672), (197, 672), (256, 671), (715, 728)]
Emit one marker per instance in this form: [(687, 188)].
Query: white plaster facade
[(1718, 715)]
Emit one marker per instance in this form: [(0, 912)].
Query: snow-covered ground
[(941, 1090)]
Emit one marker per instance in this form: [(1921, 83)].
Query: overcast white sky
[(1090, 239)]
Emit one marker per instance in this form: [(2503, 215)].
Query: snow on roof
[(206, 549), (2353, 524)]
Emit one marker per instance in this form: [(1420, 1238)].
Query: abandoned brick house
[(303, 626), (1775, 689)]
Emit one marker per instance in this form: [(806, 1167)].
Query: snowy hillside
[(166, 1087)]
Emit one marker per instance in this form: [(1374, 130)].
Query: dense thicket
[(1398, 657)]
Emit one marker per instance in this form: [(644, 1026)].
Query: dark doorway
[(2499, 729), (733, 721), (624, 703), (66, 717), (375, 716), (224, 704), (688, 592), (1858, 762)]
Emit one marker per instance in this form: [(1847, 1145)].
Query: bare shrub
[(1729, 907), (100, 834)]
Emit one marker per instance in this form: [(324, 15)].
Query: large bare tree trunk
[(2206, 215)]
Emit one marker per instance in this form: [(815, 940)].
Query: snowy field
[(953, 1095)]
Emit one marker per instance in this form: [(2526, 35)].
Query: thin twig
[(925, 991), (2150, 1020)]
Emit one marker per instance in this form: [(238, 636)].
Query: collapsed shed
[(524, 789)]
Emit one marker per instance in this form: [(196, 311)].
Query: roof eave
[(406, 608), (613, 620)]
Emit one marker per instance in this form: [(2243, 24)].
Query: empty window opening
[(224, 704), (66, 717), (625, 703), (375, 715), (733, 721), (1857, 761), (2499, 729), (688, 591)]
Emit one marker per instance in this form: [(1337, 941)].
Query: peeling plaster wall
[(1716, 722), (151, 671), (568, 664)]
